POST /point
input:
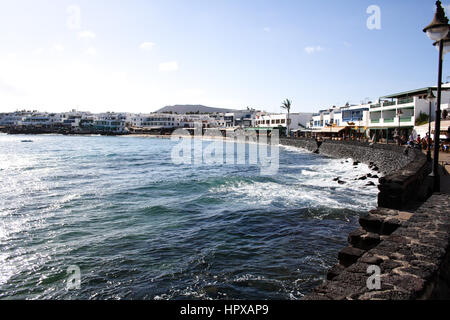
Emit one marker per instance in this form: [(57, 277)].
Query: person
[(403, 139), (418, 141), (411, 141), (396, 137)]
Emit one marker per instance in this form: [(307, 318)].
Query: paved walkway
[(444, 158)]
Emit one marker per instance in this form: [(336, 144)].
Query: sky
[(141, 55)]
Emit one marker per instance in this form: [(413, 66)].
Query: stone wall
[(411, 251), (405, 169)]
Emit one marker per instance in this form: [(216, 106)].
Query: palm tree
[(287, 106)]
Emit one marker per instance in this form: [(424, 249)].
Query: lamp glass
[(446, 47), (437, 34)]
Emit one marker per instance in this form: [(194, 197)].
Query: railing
[(405, 100), (389, 120), (388, 103), (375, 121), (377, 105), (406, 119)]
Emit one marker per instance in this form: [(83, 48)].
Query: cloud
[(58, 48), (168, 66), (193, 92), (10, 89), (86, 35), (73, 17), (38, 51), (147, 46), (91, 51), (311, 50)]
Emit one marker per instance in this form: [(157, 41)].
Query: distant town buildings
[(400, 113), (403, 113)]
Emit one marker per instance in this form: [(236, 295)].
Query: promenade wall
[(408, 244), (405, 170)]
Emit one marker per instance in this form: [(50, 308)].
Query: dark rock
[(369, 184), (371, 223), (341, 182), (362, 178), (349, 256), (335, 271)]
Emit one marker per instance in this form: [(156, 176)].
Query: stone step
[(349, 256), (335, 271), (363, 240), (383, 221)]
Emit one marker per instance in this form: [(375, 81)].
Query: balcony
[(389, 120), (389, 103), (405, 100), (375, 121), (377, 105), (406, 119)]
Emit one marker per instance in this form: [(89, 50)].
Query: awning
[(331, 130)]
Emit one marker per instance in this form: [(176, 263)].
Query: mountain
[(192, 108)]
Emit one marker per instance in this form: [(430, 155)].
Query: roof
[(414, 92)]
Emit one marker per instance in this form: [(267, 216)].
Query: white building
[(273, 120), (112, 122), (335, 120), (402, 110)]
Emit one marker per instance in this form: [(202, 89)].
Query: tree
[(287, 106), (422, 119)]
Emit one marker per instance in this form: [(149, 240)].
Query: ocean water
[(140, 227)]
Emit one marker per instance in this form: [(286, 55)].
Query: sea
[(98, 217)]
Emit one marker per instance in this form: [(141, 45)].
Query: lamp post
[(437, 31), (430, 99)]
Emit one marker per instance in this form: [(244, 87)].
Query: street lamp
[(437, 31), (430, 98)]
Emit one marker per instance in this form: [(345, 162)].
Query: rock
[(362, 178), (375, 176), (341, 182), (335, 271), (370, 183), (337, 179), (349, 256), (369, 175), (356, 163), (371, 223), (376, 168)]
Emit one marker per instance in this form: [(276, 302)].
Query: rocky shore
[(406, 240)]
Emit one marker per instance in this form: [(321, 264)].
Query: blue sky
[(140, 55)]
